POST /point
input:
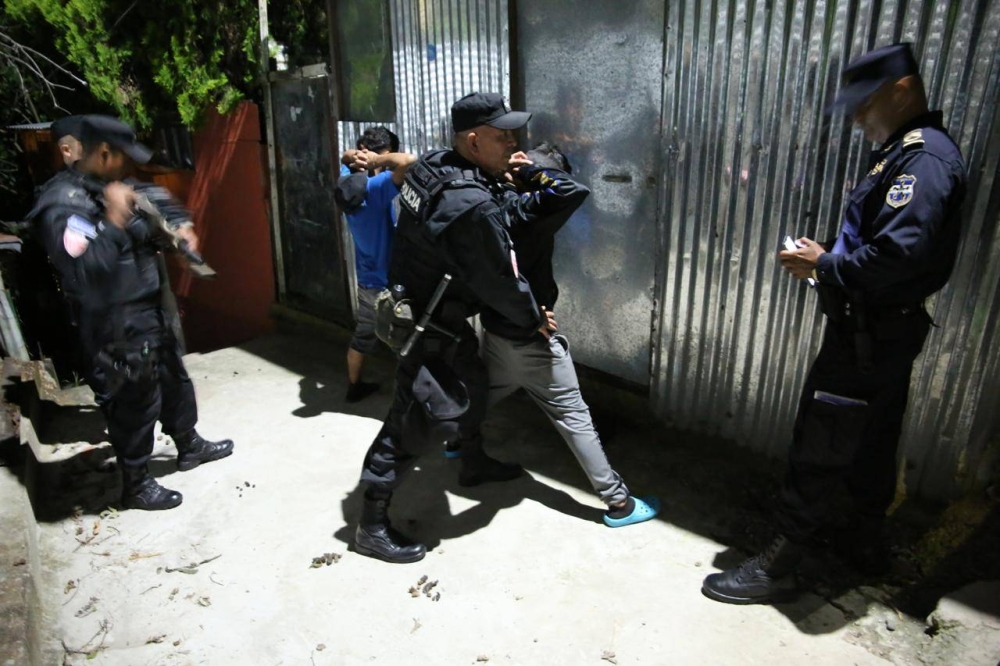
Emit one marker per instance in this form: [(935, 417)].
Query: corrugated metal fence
[(442, 50), (749, 156)]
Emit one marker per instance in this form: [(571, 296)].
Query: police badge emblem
[(901, 191)]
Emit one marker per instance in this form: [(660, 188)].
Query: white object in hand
[(792, 246)]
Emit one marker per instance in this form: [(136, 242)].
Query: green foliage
[(301, 26), (153, 59), (366, 59)]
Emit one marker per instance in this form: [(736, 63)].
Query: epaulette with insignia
[(914, 138)]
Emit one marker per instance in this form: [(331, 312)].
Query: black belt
[(877, 312)]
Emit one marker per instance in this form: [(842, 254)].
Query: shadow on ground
[(708, 486)]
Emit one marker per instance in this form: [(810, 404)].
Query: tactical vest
[(429, 203), (136, 277)]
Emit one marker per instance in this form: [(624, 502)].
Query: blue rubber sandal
[(645, 509)]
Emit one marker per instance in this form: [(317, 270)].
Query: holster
[(394, 321), (126, 364), (440, 399)]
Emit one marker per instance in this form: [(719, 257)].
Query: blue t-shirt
[(372, 226)]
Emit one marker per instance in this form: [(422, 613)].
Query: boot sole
[(188, 466), (144, 507), (379, 556), (776, 598)]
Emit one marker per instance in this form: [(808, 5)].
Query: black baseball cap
[(351, 191), (477, 109), (68, 126), (96, 128), (866, 74)]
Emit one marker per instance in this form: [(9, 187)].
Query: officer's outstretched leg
[(131, 416), (180, 413), (386, 463)]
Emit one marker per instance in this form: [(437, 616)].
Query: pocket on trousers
[(831, 433), (559, 345)]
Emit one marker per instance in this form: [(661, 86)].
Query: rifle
[(163, 232)]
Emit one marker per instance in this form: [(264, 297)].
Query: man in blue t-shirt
[(371, 176)]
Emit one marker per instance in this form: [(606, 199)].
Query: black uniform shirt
[(97, 262), (901, 229), (465, 233), (548, 210)]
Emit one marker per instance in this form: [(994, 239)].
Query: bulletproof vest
[(136, 278), (437, 190)]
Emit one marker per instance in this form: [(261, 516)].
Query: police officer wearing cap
[(66, 133), (897, 246), (455, 209), (107, 264)]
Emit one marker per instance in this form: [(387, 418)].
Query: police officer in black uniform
[(455, 208), (897, 245), (108, 268), (66, 133)]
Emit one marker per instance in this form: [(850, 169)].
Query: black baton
[(426, 317)]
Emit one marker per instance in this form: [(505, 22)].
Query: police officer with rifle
[(107, 260), (451, 241)]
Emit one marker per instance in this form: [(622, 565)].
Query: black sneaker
[(480, 469), (360, 391), (764, 578)]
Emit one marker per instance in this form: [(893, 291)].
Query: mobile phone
[(792, 246)]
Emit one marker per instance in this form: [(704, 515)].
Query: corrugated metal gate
[(593, 81), (740, 154), (749, 156)]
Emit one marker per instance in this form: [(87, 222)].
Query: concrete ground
[(525, 571)]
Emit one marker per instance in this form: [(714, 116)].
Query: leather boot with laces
[(375, 537), (766, 577), (193, 450), (141, 491)]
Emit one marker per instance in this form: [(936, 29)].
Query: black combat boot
[(141, 491), (193, 450), (375, 537), (477, 467), (765, 577)]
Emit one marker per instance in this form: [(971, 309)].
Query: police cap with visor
[(115, 133), (477, 109), (68, 126), (864, 75)]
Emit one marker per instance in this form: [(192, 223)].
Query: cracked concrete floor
[(526, 572)]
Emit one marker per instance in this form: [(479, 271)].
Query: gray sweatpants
[(545, 371)]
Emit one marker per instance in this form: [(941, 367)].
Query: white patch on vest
[(410, 197), (79, 232), (513, 262)]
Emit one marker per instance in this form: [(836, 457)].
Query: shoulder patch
[(78, 234), (83, 226), (901, 191), (914, 138)]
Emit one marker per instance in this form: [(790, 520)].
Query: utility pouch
[(394, 321), (127, 365)]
